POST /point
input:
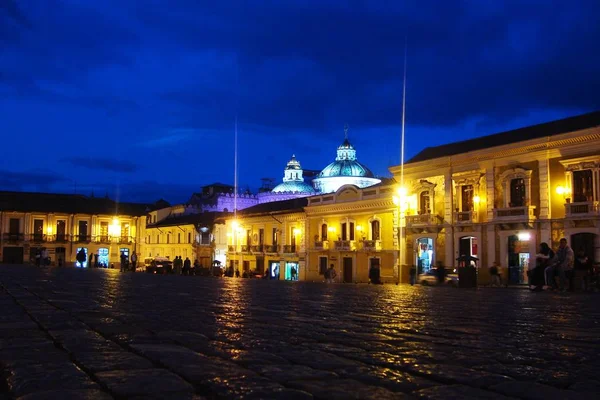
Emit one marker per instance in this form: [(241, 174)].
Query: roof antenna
[(346, 131)]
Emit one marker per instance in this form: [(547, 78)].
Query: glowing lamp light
[(401, 191), (331, 229), (297, 231), (49, 230), (524, 236), (114, 229), (235, 225), (476, 199), (560, 190), (359, 228)]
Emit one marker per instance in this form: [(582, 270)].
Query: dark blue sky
[(139, 97)]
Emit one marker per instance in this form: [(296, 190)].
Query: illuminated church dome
[(345, 170), (293, 185)]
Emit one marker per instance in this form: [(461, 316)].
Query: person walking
[(562, 266), (331, 274), (123, 261), (81, 257), (133, 261), (187, 266)]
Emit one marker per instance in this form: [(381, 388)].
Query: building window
[(344, 231), (104, 231), (38, 229), (275, 237), (322, 265), (424, 203), (351, 230), (168, 238), (583, 186), (157, 238), (375, 230), (261, 236), (466, 198), (83, 230), (178, 237), (125, 231), (517, 192), (517, 187), (189, 237), (323, 232), (61, 230)]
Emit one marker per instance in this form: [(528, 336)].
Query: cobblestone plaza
[(99, 334)]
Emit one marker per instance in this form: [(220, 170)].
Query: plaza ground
[(95, 334)]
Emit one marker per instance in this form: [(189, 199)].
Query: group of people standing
[(559, 270)]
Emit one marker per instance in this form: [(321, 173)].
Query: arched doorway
[(587, 241), (467, 246), (424, 255)]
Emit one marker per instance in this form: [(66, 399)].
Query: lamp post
[(400, 201)]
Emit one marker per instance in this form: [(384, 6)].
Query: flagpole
[(400, 227)]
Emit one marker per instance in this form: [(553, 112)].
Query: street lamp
[(400, 201)]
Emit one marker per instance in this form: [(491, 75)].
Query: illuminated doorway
[(85, 263), (291, 271), (103, 257), (424, 255)]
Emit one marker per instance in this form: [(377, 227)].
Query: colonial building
[(497, 197), (354, 230), (64, 224), (269, 238), (180, 231)]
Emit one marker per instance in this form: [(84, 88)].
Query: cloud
[(102, 164), (29, 180)]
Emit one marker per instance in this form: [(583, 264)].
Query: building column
[(449, 244), (544, 176), (448, 201), (490, 235), (490, 192)]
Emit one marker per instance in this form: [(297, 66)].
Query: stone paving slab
[(81, 334)]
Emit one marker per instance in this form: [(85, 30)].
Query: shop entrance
[(424, 255), (291, 271), (274, 270), (347, 273), (12, 255), (588, 242), (85, 263), (467, 246), (518, 260), (103, 257)]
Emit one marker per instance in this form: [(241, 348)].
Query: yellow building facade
[(496, 198), (268, 239), (65, 224), (353, 230)]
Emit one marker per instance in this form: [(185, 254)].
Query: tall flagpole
[(400, 195)]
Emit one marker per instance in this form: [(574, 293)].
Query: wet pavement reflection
[(73, 333)]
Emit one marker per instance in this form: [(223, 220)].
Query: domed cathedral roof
[(293, 181), (344, 169)]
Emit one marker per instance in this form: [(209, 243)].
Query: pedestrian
[(38, 257), (96, 255), (495, 274), (81, 257), (413, 275), (583, 268), (294, 274), (561, 266), (91, 260), (542, 260), (331, 274), (187, 266), (45, 256), (123, 261), (133, 261)]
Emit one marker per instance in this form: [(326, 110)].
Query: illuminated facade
[(345, 170), (293, 185), (64, 224), (498, 197), (180, 231), (269, 238), (354, 230)]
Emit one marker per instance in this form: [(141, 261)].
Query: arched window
[(324, 232), (517, 192), (424, 203), (375, 230)]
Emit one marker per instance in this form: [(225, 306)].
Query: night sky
[(138, 99)]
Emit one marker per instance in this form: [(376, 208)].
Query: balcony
[(82, 238), (423, 220), (465, 217), (125, 239), (13, 237), (582, 209), (321, 245), (61, 238), (38, 238), (103, 239), (524, 213), (345, 245), (259, 248), (371, 245), (289, 249), (273, 249)]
